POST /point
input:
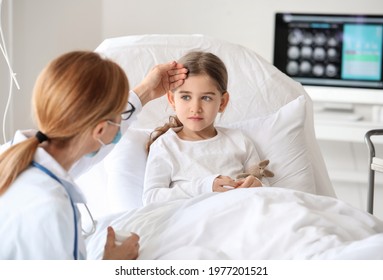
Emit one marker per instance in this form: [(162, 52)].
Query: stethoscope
[(75, 218), (94, 223)]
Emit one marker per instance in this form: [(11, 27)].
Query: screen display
[(330, 50)]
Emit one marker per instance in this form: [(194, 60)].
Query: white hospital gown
[(179, 168)]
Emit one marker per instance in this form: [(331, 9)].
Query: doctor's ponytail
[(15, 160)]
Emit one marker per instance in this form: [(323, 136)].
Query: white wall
[(43, 29), (246, 22), (4, 72)]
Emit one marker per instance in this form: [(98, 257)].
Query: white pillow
[(280, 138)]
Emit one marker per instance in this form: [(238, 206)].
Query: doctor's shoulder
[(34, 189), (4, 147), (35, 221)]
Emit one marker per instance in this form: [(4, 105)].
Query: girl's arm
[(159, 184)]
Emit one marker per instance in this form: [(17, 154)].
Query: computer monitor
[(330, 49)]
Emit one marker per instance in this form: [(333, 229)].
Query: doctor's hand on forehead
[(160, 79)]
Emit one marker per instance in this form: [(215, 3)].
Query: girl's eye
[(185, 97), (207, 98)]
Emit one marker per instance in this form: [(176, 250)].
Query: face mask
[(115, 140)]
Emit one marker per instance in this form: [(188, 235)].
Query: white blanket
[(258, 223)]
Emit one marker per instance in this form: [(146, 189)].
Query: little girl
[(189, 155)]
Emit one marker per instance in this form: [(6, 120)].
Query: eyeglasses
[(128, 113)]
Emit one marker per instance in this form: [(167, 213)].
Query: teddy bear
[(259, 171)]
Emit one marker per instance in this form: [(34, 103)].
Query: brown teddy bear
[(259, 171)]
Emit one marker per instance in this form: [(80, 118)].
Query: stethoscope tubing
[(50, 174)]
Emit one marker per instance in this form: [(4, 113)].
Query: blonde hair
[(71, 95), (197, 63)]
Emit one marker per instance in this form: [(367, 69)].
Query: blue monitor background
[(362, 52)]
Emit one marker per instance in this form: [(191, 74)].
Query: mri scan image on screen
[(330, 50)]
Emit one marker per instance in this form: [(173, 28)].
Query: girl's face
[(196, 103)]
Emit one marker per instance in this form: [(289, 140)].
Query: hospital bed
[(298, 217)]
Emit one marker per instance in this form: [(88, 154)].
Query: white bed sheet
[(259, 223)]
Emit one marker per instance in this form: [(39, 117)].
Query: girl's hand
[(249, 182), (221, 184), (128, 250)]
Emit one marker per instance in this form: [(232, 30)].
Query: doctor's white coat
[(36, 216)]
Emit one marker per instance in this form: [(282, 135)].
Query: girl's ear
[(170, 96), (224, 101)]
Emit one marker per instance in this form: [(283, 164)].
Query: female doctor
[(79, 104)]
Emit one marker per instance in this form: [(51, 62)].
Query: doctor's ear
[(99, 129)]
